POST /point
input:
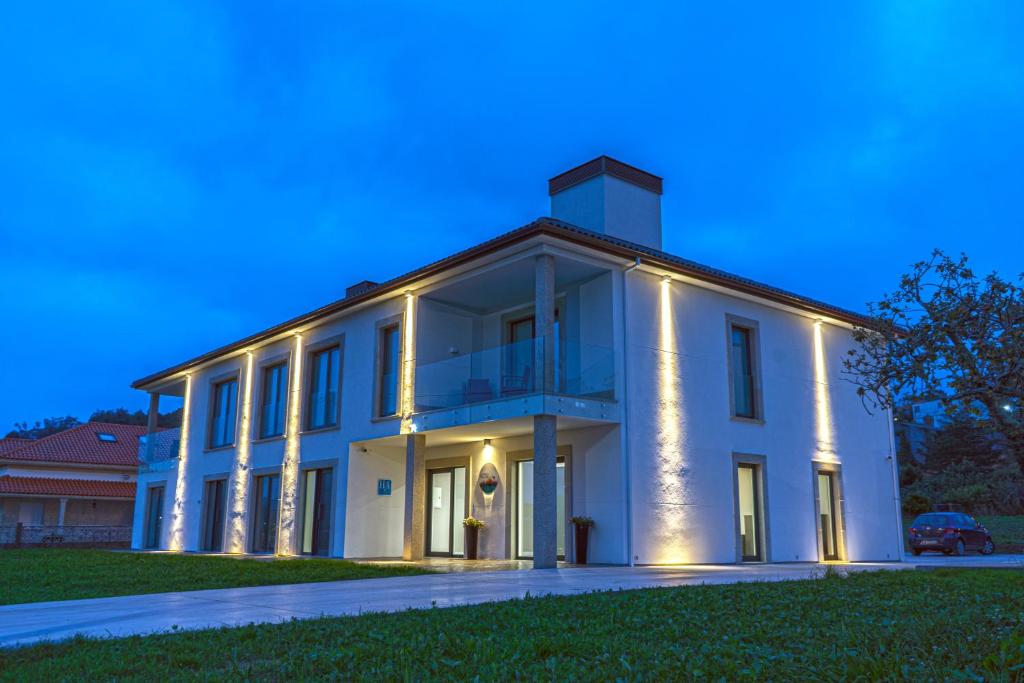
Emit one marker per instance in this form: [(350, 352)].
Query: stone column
[(61, 510), (415, 494), (544, 320), (154, 412), (545, 509)]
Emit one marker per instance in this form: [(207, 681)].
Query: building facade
[(66, 484), (567, 368)]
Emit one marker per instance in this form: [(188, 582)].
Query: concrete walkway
[(141, 614)]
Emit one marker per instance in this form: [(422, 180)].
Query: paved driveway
[(140, 614)]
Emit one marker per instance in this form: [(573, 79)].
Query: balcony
[(159, 451), (509, 381)]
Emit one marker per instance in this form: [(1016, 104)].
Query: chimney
[(610, 197), (359, 288)]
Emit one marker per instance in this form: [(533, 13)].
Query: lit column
[(240, 476), (822, 402), (669, 468), (545, 427), (415, 497), (408, 388), (290, 464), (177, 534)]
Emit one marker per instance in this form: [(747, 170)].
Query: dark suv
[(952, 533)]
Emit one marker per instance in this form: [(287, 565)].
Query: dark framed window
[(264, 519), (214, 494), (222, 422), (389, 352), (322, 398), (744, 400), (274, 400)]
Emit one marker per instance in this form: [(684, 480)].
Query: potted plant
[(473, 527), (582, 525)]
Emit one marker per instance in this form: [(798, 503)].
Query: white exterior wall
[(680, 438), (682, 478)]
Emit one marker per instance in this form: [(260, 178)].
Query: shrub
[(916, 504)]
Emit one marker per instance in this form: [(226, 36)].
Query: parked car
[(952, 533)]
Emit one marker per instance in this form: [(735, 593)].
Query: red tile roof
[(45, 486), (9, 443), (82, 445)]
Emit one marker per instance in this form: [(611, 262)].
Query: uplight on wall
[(290, 464), (176, 541), (408, 363), (822, 402), (240, 476), (669, 458)]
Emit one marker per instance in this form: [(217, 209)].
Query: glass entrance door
[(524, 508), (268, 498), (316, 512), (154, 516), (446, 508), (750, 513), (827, 512), (213, 515)]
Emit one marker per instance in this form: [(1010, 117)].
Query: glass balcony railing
[(513, 370), (159, 448)]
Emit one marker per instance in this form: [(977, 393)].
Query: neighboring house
[(569, 367), (83, 476)]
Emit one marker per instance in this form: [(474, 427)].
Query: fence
[(23, 535)]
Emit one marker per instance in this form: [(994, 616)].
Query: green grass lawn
[(1007, 531), (892, 625), (39, 574)]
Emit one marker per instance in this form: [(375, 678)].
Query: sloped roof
[(9, 443), (82, 445), (46, 486), (541, 226)]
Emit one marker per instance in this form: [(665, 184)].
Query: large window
[(389, 360), (317, 511), (222, 422), (264, 519), (213, 515), (744, 399), (322, 402), (274, 400)]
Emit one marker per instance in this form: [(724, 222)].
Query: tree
[(948, 332), (962, 440), (139, 417), (50, 425)]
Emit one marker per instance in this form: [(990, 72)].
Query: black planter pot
[(582, 539), (472, 539)]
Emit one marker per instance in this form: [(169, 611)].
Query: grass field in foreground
[(890, 625), (40, 574)]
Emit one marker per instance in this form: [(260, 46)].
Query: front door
[(524, 508), (268, 498), (213, 515), (827, 516), (154, 517), (446, 508), (316, 512)]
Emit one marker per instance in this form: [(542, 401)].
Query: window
[(222, 426), (106, 437), (213, 515), (744, 400), (389, 353), (267, 500), (275, 398), (749, 512), (322, 402)]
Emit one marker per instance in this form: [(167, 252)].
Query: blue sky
[(177, 175)]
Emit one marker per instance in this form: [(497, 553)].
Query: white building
[(569, 367)]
